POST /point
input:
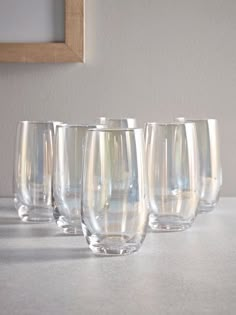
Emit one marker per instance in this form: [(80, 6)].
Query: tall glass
[(118, 122), (210, 162), (33, 171), (114, 208), (67, 180), (173, 175)]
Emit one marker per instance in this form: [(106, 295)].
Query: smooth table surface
[(45, 272)]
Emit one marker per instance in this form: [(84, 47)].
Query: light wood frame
[(72, 50)]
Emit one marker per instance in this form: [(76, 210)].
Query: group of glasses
[(110, 181)]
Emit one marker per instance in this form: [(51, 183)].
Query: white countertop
[(45, 272)]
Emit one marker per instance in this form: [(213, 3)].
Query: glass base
[(35, 214), (169, 223), (205, 207), (72, 230), (104, 250), (67, 227), (112, 245)]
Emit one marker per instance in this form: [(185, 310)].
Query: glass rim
[(115, 129), (85, 126), (196, 120), (173, 123), (35, 122)]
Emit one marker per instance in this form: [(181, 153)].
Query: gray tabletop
[(45, 272)]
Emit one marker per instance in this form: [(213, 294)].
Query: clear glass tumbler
[(210, 162), (33, 171), (67, 179), (118, 122), (173, 175), (114, 203)]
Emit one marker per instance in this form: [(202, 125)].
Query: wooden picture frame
[(71, 50)]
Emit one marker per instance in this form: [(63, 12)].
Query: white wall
[(153, 59)]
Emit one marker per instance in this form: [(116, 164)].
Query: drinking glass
[(67, 180), (210, 162), (118, 122), (114, 204), (173, 175), (33, 171)]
